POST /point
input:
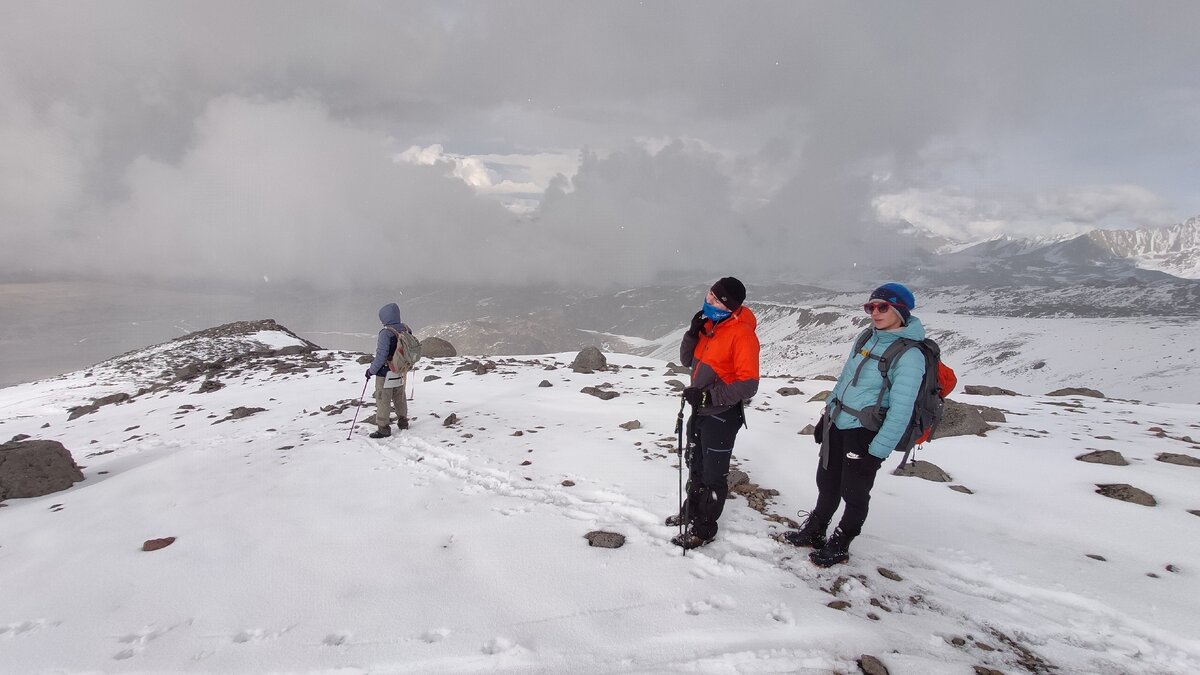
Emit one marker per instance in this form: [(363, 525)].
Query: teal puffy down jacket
[(859, 387)]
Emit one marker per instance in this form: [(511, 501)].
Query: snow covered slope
[(460, 548)]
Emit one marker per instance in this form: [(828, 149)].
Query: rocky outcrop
[(984, 390), (961, 419), (926, 470), (589, 359), (1110, 457), (602, 394), (1077, 391), (34, 468), (435, 347), (1176, 458), (604, 539), (1126, 493)]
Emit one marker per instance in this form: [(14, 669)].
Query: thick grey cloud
[(183, 141)]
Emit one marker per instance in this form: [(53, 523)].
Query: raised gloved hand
[(697, 324), (694, 396)]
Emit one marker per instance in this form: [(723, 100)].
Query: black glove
[(369, 374), (697, 324), (819, 430), (694, 396), (868, 461)]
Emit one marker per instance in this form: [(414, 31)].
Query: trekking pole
[(679, 434), (687, 503), (357, 408)]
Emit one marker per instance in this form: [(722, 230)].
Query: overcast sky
[(578, 142)]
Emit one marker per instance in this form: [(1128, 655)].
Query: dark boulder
[(870, 665), (1176, 458), (435, 347), (926, 470), (156, 544), (604, 539), (602, 394), (984, 390), (1110, 457), (1126, 493), (1077, 391), (589, 359), (35, 468), (961, 419)]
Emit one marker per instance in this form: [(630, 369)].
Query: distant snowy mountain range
[(1173, 250)]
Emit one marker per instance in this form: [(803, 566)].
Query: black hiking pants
[(710, 442), (846, 479)]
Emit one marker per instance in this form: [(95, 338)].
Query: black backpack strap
[(861, 340), (859, 348)]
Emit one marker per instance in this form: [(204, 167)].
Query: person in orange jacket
[(721, 348)]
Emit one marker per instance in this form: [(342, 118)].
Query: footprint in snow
[(25, 627), (258, 634), (781, 614), (697, 607), (435, 635), (138, 641), (336, 639), (499, 645)]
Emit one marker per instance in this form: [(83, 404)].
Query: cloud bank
[(576, 143)]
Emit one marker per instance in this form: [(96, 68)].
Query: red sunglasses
[(881, 306)]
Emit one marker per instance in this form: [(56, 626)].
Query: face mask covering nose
[(715, 313)]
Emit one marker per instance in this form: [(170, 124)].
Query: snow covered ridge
[(460, 548), (1173, 250), (188, 357)]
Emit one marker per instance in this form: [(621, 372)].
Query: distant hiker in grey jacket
[(389, 385)]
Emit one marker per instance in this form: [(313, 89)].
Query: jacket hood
[(389, 313)]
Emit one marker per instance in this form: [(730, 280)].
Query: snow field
[(437, 551)]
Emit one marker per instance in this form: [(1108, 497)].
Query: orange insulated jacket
[(724, 360)]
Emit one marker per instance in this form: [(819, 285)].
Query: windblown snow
[(460, 548)]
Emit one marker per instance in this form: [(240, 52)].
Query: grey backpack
[(408, 351)]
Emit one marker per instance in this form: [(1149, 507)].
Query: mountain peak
[(1174, 249)]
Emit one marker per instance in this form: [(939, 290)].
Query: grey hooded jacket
[(385, 344)]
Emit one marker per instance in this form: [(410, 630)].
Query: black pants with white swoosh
[(849, 478)]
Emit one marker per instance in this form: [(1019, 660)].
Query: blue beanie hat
[(900, 297)]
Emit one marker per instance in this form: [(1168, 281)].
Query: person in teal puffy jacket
[(863, 422)]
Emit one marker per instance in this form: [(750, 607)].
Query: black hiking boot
[(811, 534), (835, 551), (688, 541), (674, 520), (402, 423), (383, 432)]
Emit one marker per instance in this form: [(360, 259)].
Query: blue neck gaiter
[(715, 313)]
